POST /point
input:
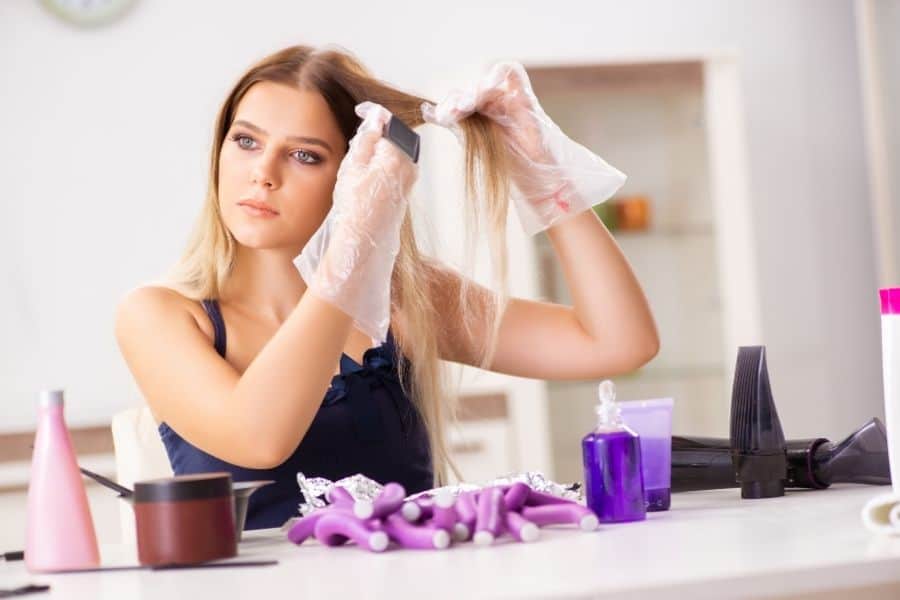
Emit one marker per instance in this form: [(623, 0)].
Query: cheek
[(231, 172), (231, 177), (308, 195)]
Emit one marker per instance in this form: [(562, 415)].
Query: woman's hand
[(555, 177), (350, 258)]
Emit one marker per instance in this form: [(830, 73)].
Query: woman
[(306, 195)]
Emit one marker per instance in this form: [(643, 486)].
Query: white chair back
[(140, 454)]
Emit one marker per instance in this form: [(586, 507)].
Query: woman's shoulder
[(156, 303)]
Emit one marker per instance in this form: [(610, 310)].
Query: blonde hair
[(344, 82)]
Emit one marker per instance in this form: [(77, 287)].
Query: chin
[(266, 238), (258, 238)]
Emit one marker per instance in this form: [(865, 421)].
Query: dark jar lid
[(199, 486)]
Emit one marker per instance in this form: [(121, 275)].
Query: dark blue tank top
[(366, 424)]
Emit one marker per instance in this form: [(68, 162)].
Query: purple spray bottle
[(612, 464)]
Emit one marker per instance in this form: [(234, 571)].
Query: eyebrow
[(290, 138)]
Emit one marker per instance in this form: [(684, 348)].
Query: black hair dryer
[(700, 463), (759, 460)]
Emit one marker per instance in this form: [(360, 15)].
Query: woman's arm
[(608, 331), (254, 419)]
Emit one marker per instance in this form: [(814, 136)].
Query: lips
[(262, 207)]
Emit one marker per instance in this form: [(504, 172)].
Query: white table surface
[(709, 545)]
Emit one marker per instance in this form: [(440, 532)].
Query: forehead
[(284, 111)]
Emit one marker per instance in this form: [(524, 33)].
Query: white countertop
[(709, 545)]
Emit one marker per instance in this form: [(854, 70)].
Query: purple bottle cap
[(890, 301)]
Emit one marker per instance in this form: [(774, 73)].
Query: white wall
[(106, 138), (886, 17)]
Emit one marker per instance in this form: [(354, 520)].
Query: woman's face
[(277, 167)]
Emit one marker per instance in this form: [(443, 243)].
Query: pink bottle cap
[(890, 301)]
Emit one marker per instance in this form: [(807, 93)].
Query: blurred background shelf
[(657, 374), (654, 121), (674, 125), (666, 232)]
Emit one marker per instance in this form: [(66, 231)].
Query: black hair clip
[(405, 138)]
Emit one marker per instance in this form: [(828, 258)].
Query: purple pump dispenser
[(614, 482)]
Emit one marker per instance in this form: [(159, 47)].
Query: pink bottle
[(60, 532)]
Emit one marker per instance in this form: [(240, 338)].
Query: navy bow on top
[(376, 372)]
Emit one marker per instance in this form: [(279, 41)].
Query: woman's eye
[(305, 157), (244, 142)]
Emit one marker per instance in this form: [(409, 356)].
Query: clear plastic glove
[(556, 177), (349, 260)]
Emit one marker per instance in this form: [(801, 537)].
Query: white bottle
[(890, 368), (881, 514)]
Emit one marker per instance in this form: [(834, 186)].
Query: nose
[(265, 172)]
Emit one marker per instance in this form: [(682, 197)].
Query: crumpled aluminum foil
[(315, 488), (363, 488)]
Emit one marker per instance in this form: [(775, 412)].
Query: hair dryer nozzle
[(758, 448)]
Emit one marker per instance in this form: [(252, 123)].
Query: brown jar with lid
[(185, 519)]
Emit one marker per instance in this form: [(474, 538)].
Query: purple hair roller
[(415, 536), (388, 501), (557, 514), (461, 531), (516, 495), (334, 529), (304, 528), (418, 509), (444, 515), (521, 528), (328, 538), (411, 511), (536, 498), (489, 523), (338, 495), (467, 511)]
